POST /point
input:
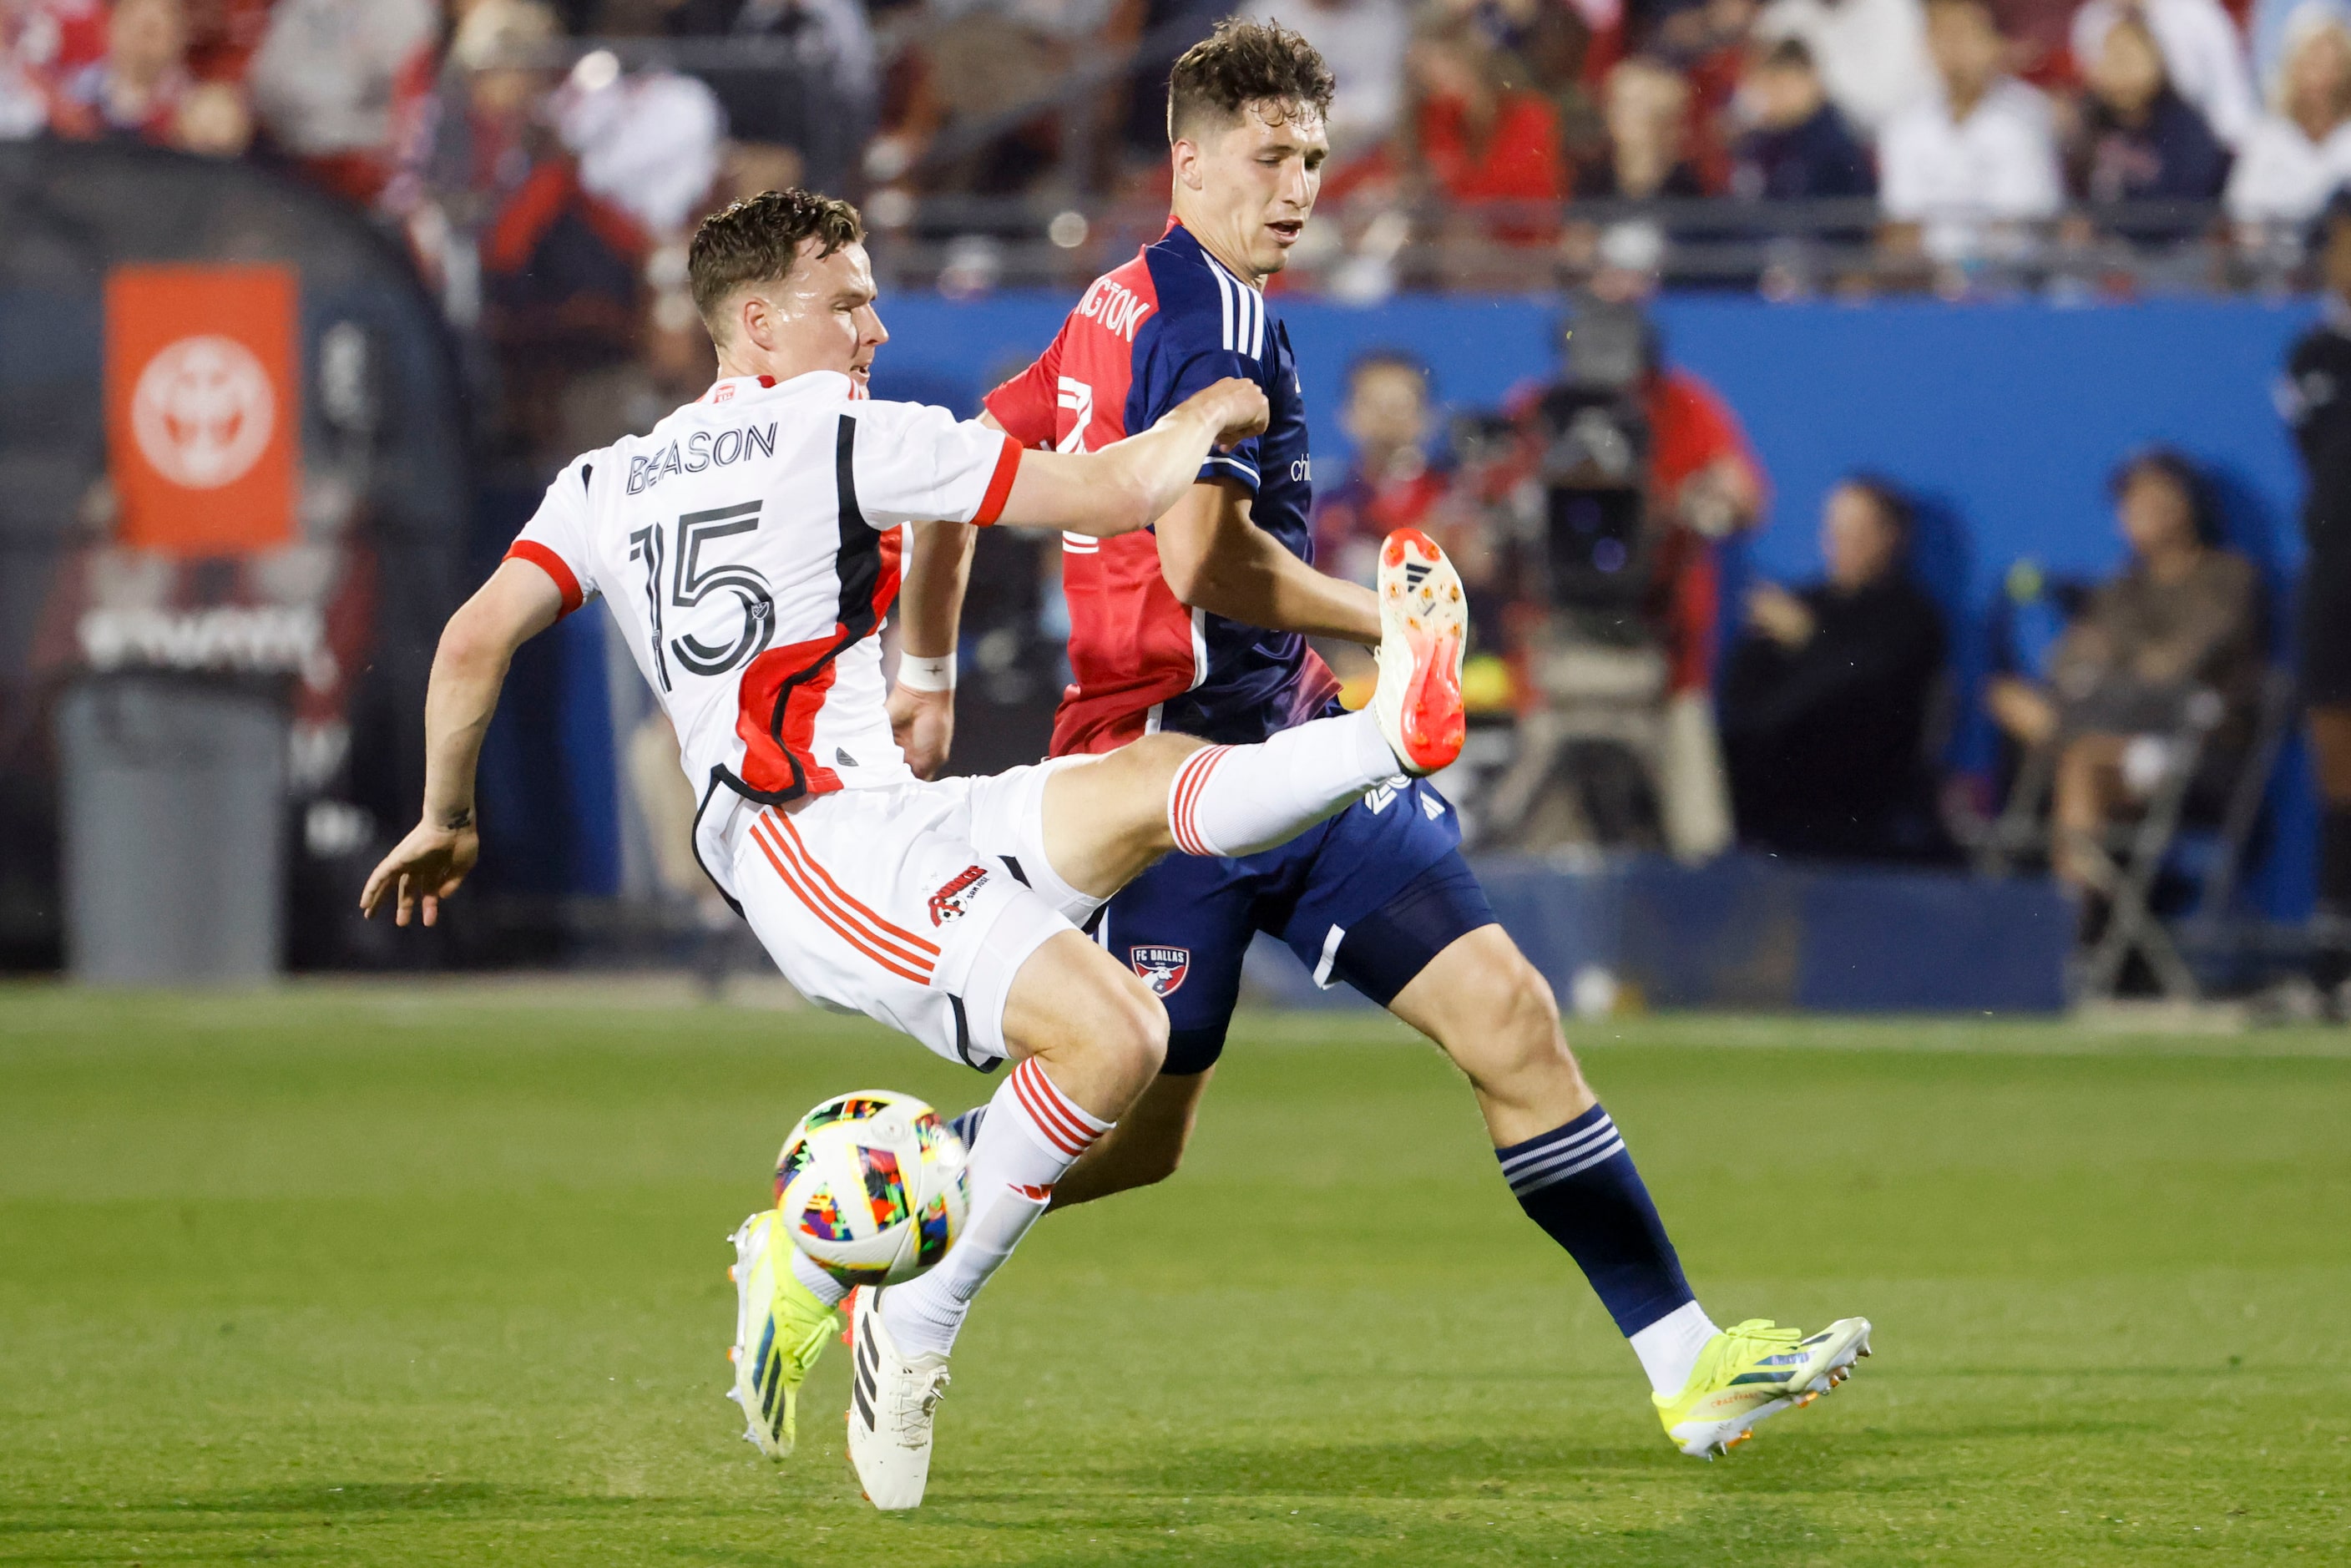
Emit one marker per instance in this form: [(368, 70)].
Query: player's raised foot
[(1424, 630), (1754, 1370), (892, 1401), (779, 1330)]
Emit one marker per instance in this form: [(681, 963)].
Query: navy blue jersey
[(1142, 340)]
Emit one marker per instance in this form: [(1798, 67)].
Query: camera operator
[(1633, 473)]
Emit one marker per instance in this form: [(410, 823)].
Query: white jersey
[(748, 549)]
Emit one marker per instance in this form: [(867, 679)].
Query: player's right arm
[(519, 601), (1128, 485), (1216, 559)]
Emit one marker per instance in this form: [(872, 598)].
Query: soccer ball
[(871, 1186)]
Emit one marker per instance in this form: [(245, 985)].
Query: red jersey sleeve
[(1029, 405), (1691, 426)]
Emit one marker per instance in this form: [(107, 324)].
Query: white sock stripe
[(1523, 1157), (1537, 1181), (1559, 1156)]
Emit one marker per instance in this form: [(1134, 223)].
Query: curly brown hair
[(757, 239), (1243, 63)]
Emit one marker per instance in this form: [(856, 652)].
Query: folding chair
[(2126, 860), (2130, 858), (2216, 859)]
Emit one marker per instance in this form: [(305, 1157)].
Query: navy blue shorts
[(1368, 897)]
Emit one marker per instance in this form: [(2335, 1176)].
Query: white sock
[(1031, 1134), (1668, 1348), (820, 1285), (1238, 800)]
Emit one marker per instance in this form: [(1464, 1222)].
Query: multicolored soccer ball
[(871, 1186)]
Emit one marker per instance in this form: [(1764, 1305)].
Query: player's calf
[(1090, 1036), (1146, 1147)]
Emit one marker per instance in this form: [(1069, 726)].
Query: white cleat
[(1423, 632), (892, 1402)]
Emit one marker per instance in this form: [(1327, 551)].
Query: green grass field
[(377, 1276)]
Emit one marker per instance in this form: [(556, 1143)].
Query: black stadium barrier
[(335, 622)]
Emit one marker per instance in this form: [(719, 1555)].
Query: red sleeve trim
[(547, 561), (999, 484)]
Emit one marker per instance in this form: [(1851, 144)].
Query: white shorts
[(912, 903)]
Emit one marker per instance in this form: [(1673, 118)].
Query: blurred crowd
[(1941, 132), (543, 163), (1826, 709)]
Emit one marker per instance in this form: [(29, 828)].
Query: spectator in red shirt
[(1483, 137), (1706, 485), (42, 43), (136, 90)]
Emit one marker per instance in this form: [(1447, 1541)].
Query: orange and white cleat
[(1423, 632)]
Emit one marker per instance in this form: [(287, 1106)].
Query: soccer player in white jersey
[(748, 549)]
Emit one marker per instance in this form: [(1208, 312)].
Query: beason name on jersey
[(747, 547), (1142, 340)]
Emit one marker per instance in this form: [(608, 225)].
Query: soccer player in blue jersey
[(1200, 626)]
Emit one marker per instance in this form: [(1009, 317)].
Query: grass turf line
[(372, 1277)]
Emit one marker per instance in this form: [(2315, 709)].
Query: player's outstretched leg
[(1107, 820), (1569, 1168), (1089, 1036)]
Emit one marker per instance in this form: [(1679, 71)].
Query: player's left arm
[(1216, 559), (518, 603), (930, 619)]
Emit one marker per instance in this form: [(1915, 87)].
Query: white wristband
[(927, 674)]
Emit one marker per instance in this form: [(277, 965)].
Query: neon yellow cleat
[(1753, 1370), (779, 1330)]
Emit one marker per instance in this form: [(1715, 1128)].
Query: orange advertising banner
[(204, 406)]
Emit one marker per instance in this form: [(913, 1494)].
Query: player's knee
[(1523, 1026), (1143, 1039), (1154, 759), (1127, 1027), (1164, 750), (1529, 1012)]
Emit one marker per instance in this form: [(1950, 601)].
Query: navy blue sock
[(1578, 1182)]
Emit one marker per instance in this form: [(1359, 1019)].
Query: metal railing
[(1363, 249), (1365, 246)]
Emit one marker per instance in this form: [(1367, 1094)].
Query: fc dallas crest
[(1162, 968)]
